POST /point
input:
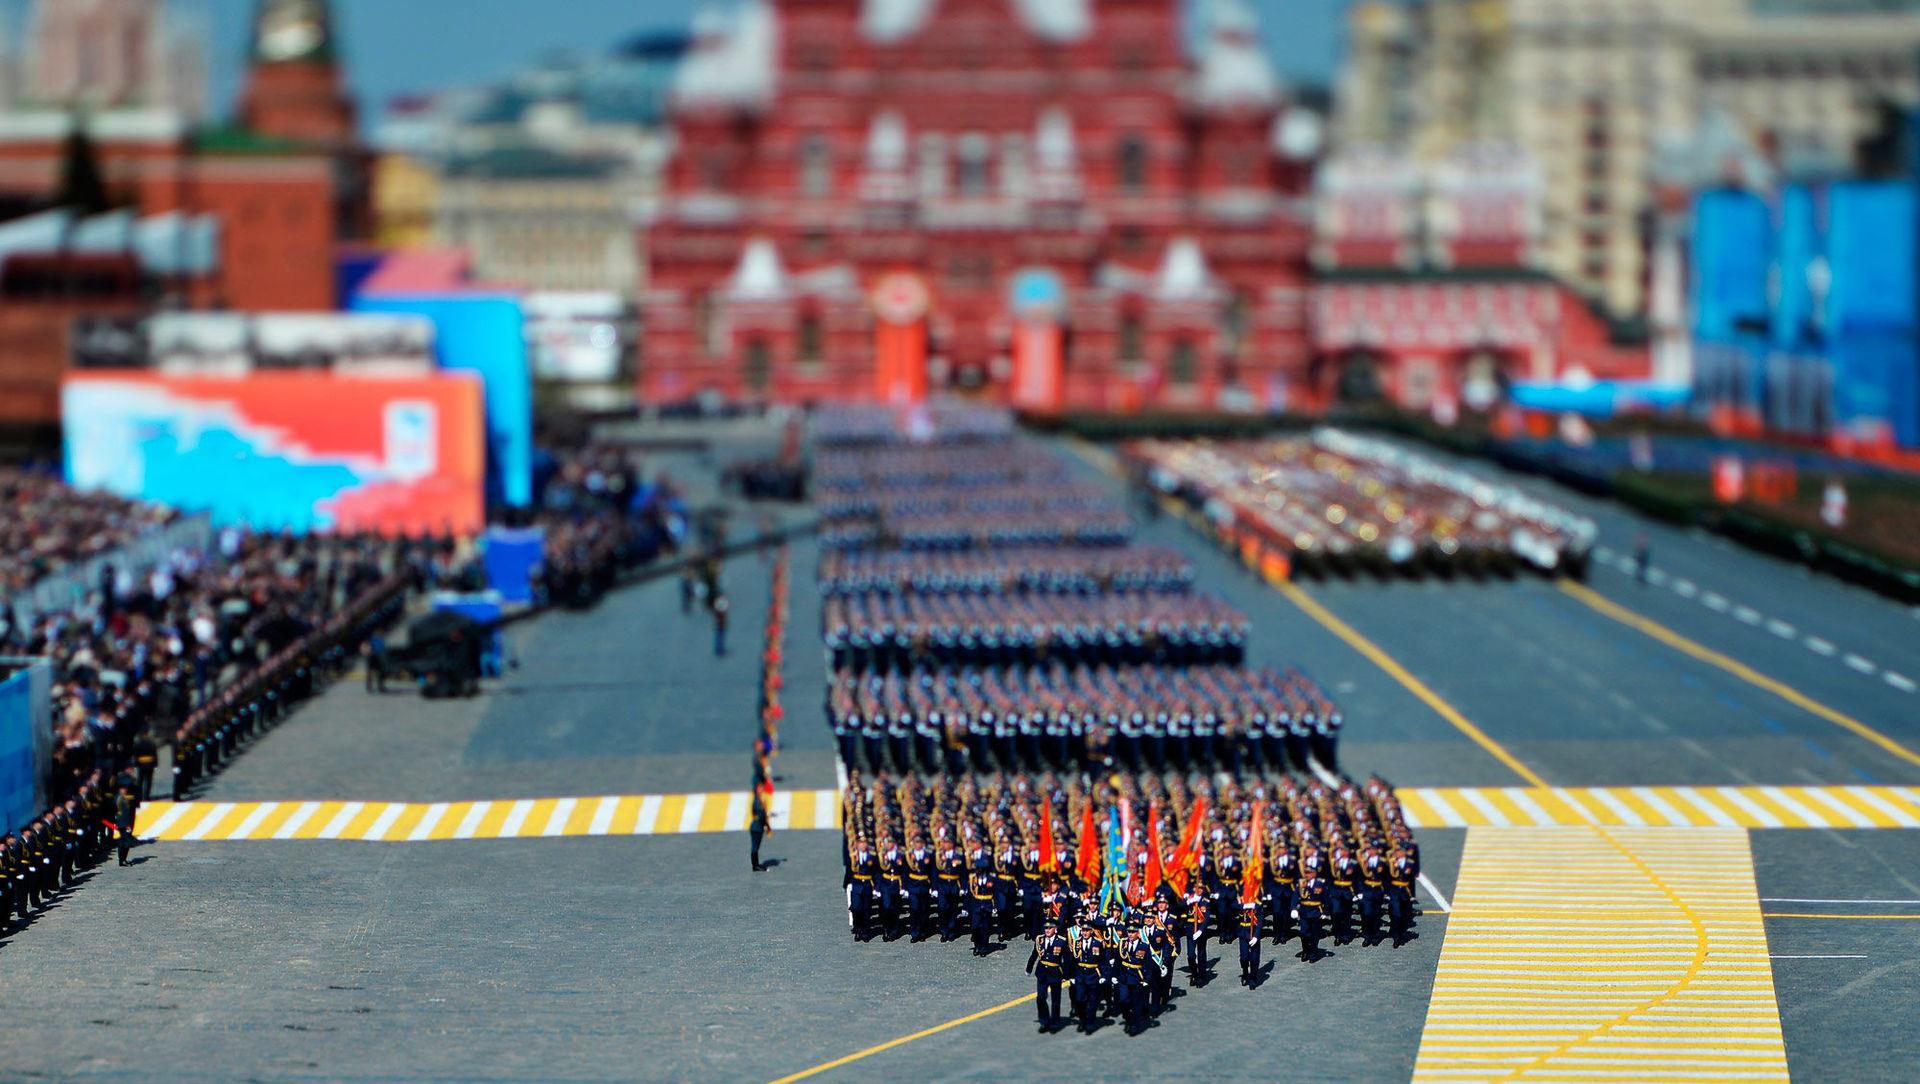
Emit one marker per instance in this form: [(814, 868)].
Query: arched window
[(1133, 164), (1132, 338), (1184, 367), (759, 367), (810, 339), (976, 175), (816, 168)]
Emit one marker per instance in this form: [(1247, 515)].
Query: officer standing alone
[(758, 828)]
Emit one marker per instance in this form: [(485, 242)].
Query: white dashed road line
[(1750, 616)]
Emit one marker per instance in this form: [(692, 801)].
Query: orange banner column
[(1037, 365)]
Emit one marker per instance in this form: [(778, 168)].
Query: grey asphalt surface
[(665, 958)]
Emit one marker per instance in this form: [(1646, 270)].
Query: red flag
[(1255, 875), (1089, 861), (1155, 872), (1049, 860), (1185, 855)]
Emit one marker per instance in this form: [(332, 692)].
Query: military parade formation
[(1080, 717), (1051, 735), (1335, 503)]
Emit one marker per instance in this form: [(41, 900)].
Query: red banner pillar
[(1037, 365)]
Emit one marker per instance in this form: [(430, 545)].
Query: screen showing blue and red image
[(294, 451)]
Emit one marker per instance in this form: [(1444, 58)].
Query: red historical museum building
[(1049, 203)]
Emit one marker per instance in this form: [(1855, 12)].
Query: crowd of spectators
[(140, 653), (601, 516), (44, 526)]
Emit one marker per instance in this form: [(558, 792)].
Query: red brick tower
[(294, 90)]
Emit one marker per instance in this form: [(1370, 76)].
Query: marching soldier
[(1249, 943), (1400, 875), (1160, 941), (1340, 895), (1089, 973), (919, 888), (1373, 889), (1313, 907), (860, 890), (946, 889), (1196, 931), (1137, 972), (980, 909), (1050, 965), (892, 874), (1006, 868)]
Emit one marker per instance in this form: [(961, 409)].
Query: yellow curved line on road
[(836, 1063), (1607, 607), (1413, 684), (1680, 985)]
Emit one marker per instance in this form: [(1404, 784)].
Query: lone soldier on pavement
[(123, 811)]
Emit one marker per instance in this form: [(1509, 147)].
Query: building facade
[(1596, 91), (107, 54), (246, 217), (1043, 202), (541, 220)]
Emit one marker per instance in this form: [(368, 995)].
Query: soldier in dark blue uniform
[(1400, 876), (1313, 907), (1340, 893), (947, 886), (1137, 972), (863, 868), (919, 886), (1373, 891), (1050, 964), (1161, 940), (1194, 928), (980, 909), (1249, 922)]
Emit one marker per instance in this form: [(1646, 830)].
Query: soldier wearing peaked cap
[(1051, 964)]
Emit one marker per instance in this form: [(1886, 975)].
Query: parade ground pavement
[(1668, 831)]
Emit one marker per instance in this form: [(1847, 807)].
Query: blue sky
[(396, 46)]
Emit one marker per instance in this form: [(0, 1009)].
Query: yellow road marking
[(1412, 684), (409, 819), (1593, 600), (902, 1041), (1838, 807), (719, 811), (1673, 981)]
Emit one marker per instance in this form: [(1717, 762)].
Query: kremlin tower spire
[(294, 89)]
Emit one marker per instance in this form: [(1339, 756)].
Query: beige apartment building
[(1594, 90)]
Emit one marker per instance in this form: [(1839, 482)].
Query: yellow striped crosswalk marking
[(1604, 953), (396, 822), (1662, 807), (729, 811)]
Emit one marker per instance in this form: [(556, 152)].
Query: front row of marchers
[(48, 854), (1070, 718), (263, 695), (897, 632), (1111, 879)]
